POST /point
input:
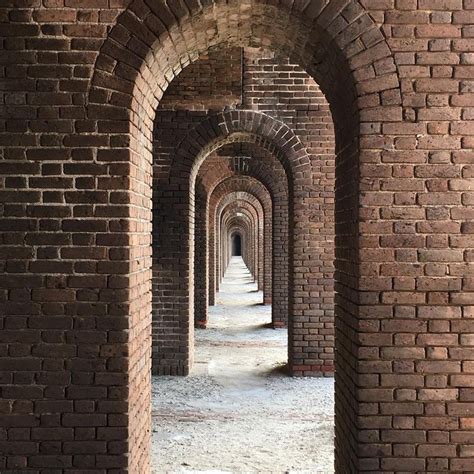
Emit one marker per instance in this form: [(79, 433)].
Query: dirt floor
[(238, 412)]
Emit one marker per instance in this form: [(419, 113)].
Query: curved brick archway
[(76, 168), (173, 246), (258, 196), (355, 44), (305, 30), (250, 203), (237, 229), (235, 239), (228, 189), (230, 218), (264, 167), (220, 173), (236, 226)]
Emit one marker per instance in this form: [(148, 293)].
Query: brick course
[(81, 85)]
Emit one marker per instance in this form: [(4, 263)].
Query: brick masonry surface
[(81, 84)]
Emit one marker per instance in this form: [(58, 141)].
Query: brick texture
[(81, 86)]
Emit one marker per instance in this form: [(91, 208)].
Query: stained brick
[(70, 71)]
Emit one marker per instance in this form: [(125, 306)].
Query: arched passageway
[(338, 83), (100, 216), (236, 245)]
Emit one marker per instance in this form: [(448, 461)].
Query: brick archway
[(238, 230), (229, 187), (173, 254), (267, 169), (229, 219), (336, 45), (259, 211), (76, 171)]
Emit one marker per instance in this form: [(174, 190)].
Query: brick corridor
[(336, 136), (237, 411)]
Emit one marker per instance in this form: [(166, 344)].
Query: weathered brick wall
[(275, 85), (76, 159), (213, 82)]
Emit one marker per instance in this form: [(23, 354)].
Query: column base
[(306, 370)]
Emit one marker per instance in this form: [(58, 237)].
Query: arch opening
[(312, 43)]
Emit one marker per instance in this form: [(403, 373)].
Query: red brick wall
[(78, 105), (275, 85), (213, 82)]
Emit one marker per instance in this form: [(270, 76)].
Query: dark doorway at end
[(236, 245)]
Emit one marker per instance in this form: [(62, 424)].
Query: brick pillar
[(173, 295), (201, 275)]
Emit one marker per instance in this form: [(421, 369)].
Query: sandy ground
[(238, 412)]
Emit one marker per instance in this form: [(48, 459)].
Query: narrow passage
[(237, 411)]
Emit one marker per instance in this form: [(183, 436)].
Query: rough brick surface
[(81, 84)]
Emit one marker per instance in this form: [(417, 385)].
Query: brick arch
[(264, 167), (230, 188), (173, 256), (252, 215), (150, 44), (344, 50), (254, 212), (260, 207), (233, 233), (254, 191), (237, 228), (249, 243), (243, 126), (235, 225)]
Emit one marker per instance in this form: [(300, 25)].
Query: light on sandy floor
[(237, 411)]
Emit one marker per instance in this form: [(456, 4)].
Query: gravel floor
[(238, 412)]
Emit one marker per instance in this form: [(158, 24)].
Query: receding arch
[(227, 192), (209, 185), (230, 188), (258, 215), (219, 129), (232, 216), (150, 44), (334, 42)]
